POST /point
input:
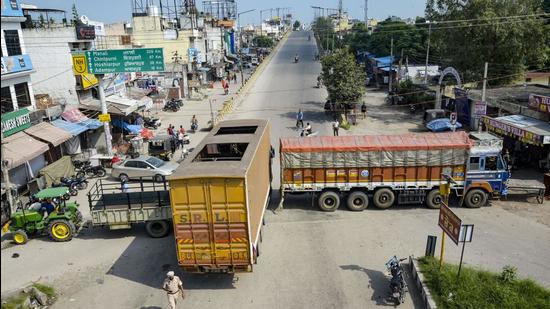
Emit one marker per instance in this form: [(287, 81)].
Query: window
[(474, 163), (143, 165), (222, 152), (7, 103), (12, 42), (131, 164), (22, 95), (156, 162), (237, 130), (491, 163)]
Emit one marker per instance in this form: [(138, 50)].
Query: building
[(17, 88)]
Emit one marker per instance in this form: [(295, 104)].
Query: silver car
[(143, 166)]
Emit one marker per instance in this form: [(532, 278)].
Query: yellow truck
[(218, 197)]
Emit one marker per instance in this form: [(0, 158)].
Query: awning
[(73, 128), (49, 133), (115, 105), (526, 129), (21, 147)]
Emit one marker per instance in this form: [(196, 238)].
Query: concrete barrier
[(420, 283)]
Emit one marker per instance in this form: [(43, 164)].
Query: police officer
[(174, 288)]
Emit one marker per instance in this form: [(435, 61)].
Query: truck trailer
[(385, 169), (218, 197)]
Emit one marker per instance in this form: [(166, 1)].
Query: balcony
[(16, 65)]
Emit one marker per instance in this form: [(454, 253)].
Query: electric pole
[(399, 70), (427, 53), (366, 14), (391, 65)]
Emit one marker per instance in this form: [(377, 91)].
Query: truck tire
[(383, 198), (20, 237), (475, 198), (434, 199), (357, 201), (329, 201), (157, 228), (61, 230)]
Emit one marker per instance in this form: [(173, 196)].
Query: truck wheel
[(61, 230), (358, 201), (20, 237), (475, 198), (383, 198), (434, 199), (157, 229), (329, 201)]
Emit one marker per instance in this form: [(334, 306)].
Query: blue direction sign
[(125, 60)]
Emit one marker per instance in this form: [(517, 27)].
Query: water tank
[(152, 10)]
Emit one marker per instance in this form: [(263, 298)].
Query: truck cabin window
[(491, 163), (474, 163)]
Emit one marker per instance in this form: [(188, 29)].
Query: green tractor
[(62, 223)]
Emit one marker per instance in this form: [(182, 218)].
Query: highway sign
[(79, 65), (125, 60), (449, 222)]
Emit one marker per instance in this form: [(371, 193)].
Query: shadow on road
[(378, 282)]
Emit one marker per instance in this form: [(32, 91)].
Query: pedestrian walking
[(235, 77), (182, 130), (170, 130), (173, 141), (364, 110), (300, 118), (181, 136), (174, 288), (124, 186), (335, 127)]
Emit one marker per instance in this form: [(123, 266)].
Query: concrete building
[(17, 88)]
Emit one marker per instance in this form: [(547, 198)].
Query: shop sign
[(480, 109), (539, 103), (85, 32), (15, 121), (14, 64), (104, 117), (512, 131)]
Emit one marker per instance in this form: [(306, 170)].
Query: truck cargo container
[(388, 168), (218, 198)]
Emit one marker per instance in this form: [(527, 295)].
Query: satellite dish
[(84, 19)]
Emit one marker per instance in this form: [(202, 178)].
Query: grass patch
[(17, 300), (481, 289), (46, 289)]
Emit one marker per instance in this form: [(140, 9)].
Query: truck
[(385, 169), (218, 197)]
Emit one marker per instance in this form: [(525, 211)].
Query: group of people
[(177, 137), (335, 124)]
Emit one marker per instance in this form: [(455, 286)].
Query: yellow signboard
[(88, 80), (104, 117), (79, 65)]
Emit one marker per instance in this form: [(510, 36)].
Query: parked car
[(143, 166)]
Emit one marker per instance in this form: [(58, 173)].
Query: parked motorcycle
[(79, 164), (412, 109), (92, 171), (171, 106), (151, 123), (194, 127), (303, 133), (78, 183), (398, 286), (72, 189)]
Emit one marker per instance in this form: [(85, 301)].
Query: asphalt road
[(309, 259)]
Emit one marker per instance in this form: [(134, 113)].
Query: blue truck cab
[(487, 172)]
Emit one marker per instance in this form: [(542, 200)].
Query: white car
[(143, 167)]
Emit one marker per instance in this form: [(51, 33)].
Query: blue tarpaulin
[(441, 125), (73, 128), (133, 129), (382, 62), (91, 124)]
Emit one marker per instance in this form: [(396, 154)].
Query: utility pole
[(399, 70), (483, 92), (6, 176), (106, 128), (391, 65), (407, 66), (427, 53), (366, 14)]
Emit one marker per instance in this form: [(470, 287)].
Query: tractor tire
[(61, 230), (20, 237), (475, 198), (329, 201), (357, 201), (157, 228), (434, 199), (383, 198)]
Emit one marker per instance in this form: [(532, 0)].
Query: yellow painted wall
[(147, 32)]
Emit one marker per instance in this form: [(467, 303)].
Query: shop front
[(526, 139)]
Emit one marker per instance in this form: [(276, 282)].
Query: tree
[(76, 17), (296, 25), (475, 36), (263, 41), (343, 77), (324, 30), (41, 21)]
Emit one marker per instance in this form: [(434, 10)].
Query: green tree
[(41, 21), (511, 44), (263, 41), (343, 77), (324, 30), (296, 25), (76, 17)]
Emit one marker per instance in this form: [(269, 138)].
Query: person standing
[(170, 130), (364, 110), (335, 127), (174, 288), (300, 118), (235, 77)]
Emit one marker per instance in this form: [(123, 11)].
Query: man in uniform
[(174, 288)]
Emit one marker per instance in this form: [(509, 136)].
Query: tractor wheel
[(358, 201), (61, 230), (434, 199), (20, 237), (383, 198), (157, 228)]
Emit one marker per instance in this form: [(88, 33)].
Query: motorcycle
[(303, 133), (78, 164), (72, 188), (296, 59), (92, 171), (75, 182), (171, 106), (412, 109), (151, 123), (398, 286), (194, 127)]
